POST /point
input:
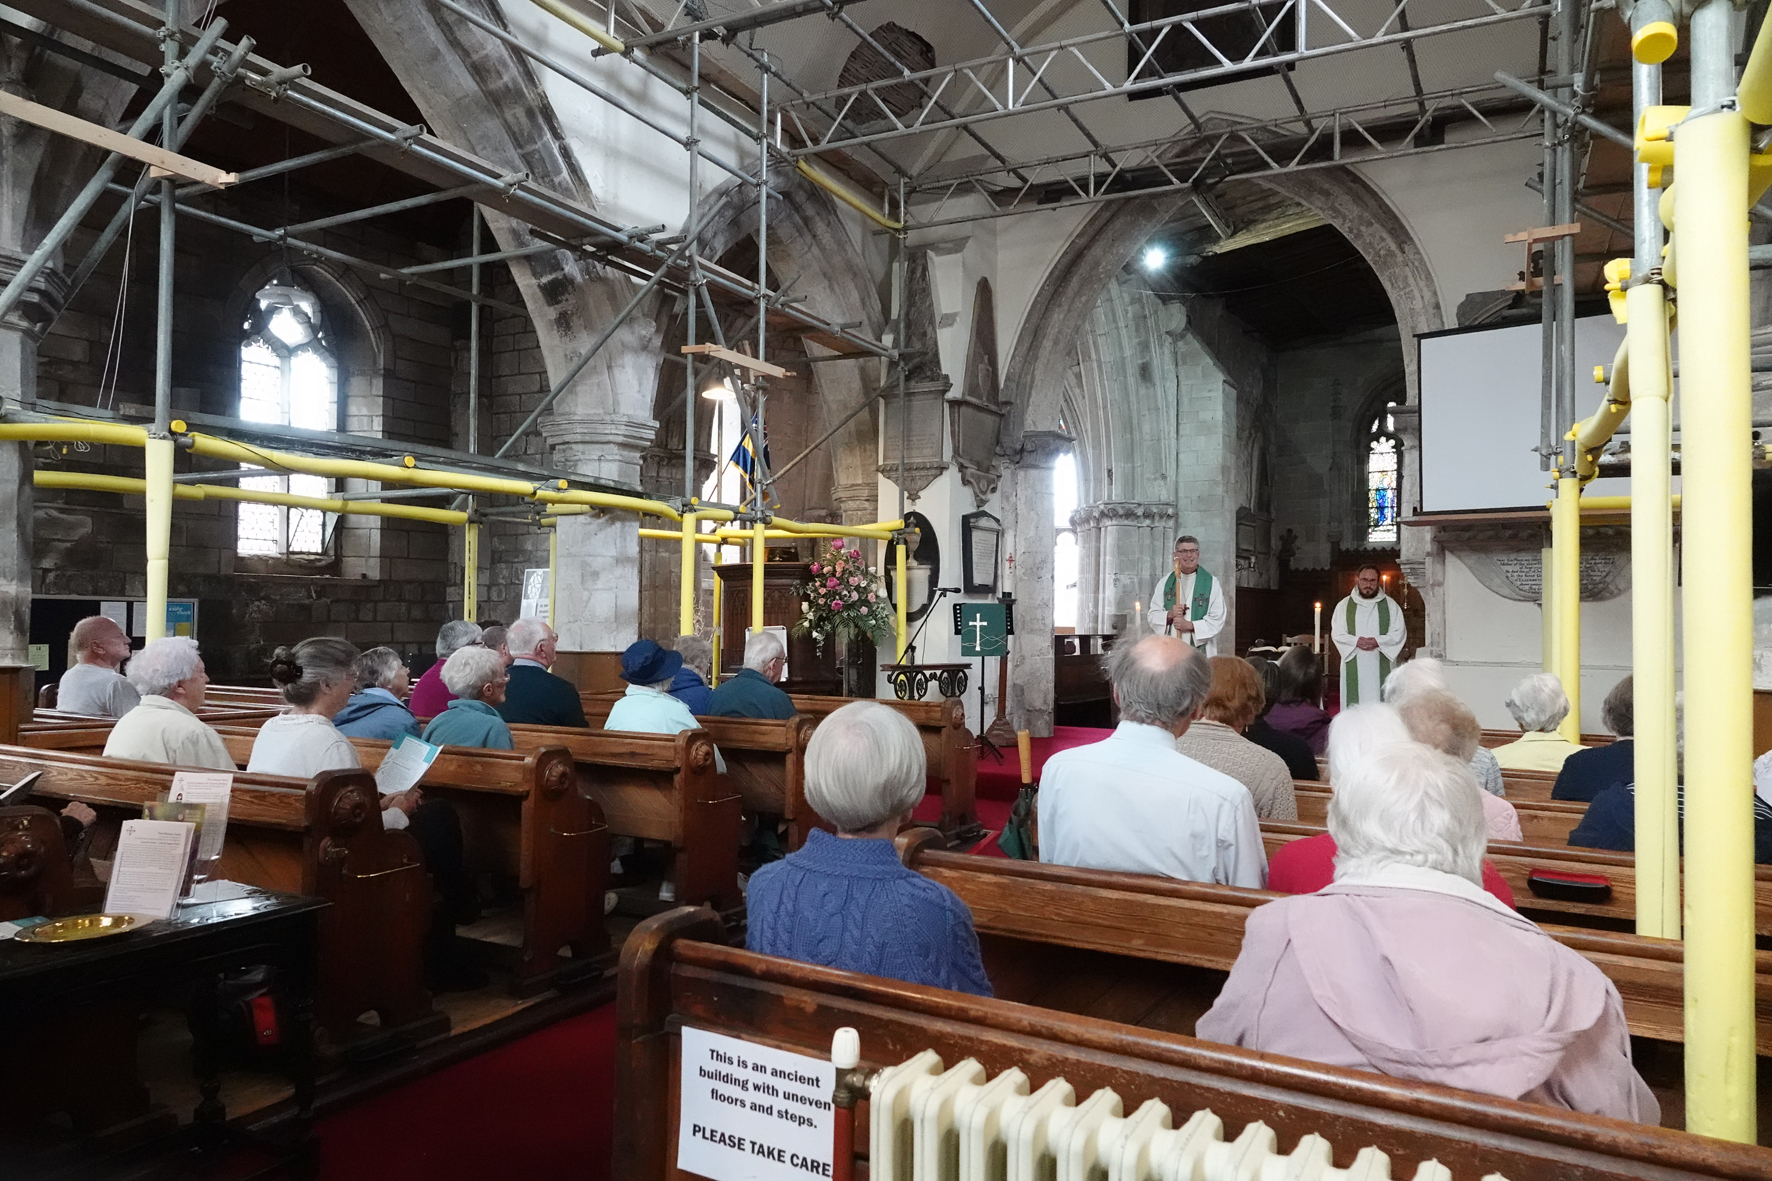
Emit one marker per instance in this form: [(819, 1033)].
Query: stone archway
[(1041, 362), (815, 249)]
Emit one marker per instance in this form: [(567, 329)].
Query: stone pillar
[(19, 334), (1086, 523), (597, 578), (1030, 661), (858, 503)]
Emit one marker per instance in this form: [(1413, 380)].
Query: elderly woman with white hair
[(1307, 865), (169, 676), (477, 679), (378, 708), (1424, 674), (1407, 968), (1440, 720), (1539, 705), (846, 901)]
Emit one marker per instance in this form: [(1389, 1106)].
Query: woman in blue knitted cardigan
[(846, 901)]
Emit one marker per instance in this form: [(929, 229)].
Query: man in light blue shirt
[(648, 707), (1134, 803)]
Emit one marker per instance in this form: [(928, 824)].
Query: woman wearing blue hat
[(648, 707)]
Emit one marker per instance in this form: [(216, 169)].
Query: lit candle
[(1317, 634)]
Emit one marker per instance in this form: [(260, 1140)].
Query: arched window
[(1384, 465), (287, 377)]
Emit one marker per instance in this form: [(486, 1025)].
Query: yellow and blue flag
[(744, 455)]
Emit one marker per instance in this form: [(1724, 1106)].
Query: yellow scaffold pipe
[(1566, 591), (70, 431), (903, 596), (1716, 424), (1652, 615), (759, 556), (688, 577), (157, 467), (583, 24), (1620, 504), (845, 194), (470, 571), (131, 486), (553, 571), (1593, 433)]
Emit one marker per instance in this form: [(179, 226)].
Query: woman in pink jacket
[(1405, 966)]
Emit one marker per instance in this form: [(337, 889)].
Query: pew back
[(675, 972)]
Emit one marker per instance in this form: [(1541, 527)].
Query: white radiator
[(931, 1124)]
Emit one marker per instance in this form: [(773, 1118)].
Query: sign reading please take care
[(753, 1113)]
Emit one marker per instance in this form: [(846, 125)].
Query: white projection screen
[(1480, 414)]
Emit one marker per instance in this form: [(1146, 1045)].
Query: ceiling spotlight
[(1155, 258)]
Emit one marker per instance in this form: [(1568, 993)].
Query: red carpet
[(1001, 780), (542, 1106)]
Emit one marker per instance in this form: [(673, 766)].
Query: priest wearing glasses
[(1188, 602)]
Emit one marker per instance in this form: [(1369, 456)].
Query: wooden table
[(83, 1002)]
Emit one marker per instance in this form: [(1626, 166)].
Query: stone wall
[(385, 581)]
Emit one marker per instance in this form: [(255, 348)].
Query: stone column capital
[(1042, 448), (43, 299), (608, 447)]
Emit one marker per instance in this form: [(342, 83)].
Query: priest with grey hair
[(1134, 802), (1405, 966), (845, 900)]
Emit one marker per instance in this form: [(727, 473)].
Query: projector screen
[(1480, 397)]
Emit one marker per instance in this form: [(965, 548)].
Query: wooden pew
[(660, 787), (1515, 863), (322, 838), (523, 816), (1201, 925), (951, 749), (1494, 738), (676, 972), (765, 759), (1546, 823), (244, 695)]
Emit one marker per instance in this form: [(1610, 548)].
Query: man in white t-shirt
[(92, 685), (1135, 803)]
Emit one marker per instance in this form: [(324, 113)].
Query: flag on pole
[(744, 455)]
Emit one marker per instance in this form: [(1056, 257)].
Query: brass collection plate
[(79, 927)]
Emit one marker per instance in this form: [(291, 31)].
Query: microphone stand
[(941, 592)]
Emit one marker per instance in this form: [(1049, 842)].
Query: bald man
[(92, 685), (1136, 804)]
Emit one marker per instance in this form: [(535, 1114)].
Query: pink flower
[(837, 543), (871, 596), (831, 583), (815, 567)]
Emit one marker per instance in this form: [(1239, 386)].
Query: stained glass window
[(1383, 488), (288, 378)]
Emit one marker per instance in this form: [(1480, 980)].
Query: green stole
[(1353, 664), (1202, 600)]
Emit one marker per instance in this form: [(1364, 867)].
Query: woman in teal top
[(477, 678)]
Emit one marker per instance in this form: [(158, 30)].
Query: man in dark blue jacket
[(535, 696), (752, 693), (1587, 773)]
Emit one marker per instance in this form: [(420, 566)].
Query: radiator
[(928, 1123)]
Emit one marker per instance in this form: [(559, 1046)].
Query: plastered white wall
[(1492, 642), (1459, 205)]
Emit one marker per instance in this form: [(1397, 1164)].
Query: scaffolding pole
[(1652, 541), (1710, 229)]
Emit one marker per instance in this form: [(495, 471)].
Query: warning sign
[(751, 1112)]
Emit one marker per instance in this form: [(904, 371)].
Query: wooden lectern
[(809, 670)]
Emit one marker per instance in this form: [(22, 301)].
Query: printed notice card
[(753, 1113), (149, 869), (404, 765), (211, 789)]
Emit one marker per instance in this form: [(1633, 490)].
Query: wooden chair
[(675, 972), (322, 838), (660, 787)]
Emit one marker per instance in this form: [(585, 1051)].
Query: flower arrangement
[(844, 596)]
